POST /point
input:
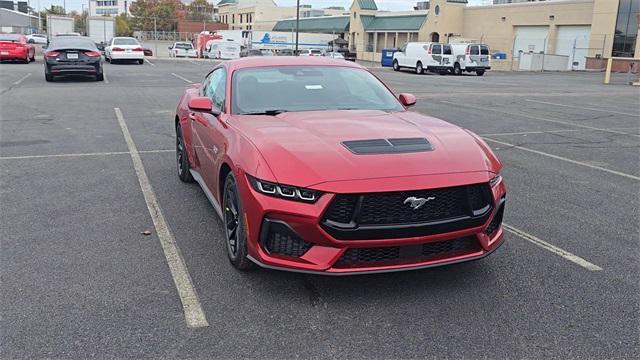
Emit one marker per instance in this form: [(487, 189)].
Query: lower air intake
[(278, 238), (396, 255)]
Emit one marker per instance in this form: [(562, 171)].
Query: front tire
[(182, 157), (457, 70), (233, 218), (396, 66), (48, 77), (419, 68), (140, 62), (100, 77)]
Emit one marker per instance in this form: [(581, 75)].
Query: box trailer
[(100, 28), (58, 25), (276, 40)]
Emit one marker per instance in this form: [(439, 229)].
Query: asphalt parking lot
[(79, 279)]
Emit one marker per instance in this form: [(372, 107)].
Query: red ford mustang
[(16, 47), (315, 166)]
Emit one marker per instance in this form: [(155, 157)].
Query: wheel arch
[(225, 169)]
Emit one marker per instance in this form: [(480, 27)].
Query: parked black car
[(348, 55), (67, 56)]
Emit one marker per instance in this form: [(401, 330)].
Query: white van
[(435, 57), (223, 49), (471, 58)]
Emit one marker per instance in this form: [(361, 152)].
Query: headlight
[(493, 182), (284, 191)]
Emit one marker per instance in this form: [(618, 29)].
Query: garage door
[(573, 41), (530, 39)]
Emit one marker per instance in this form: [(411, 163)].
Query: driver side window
[(215, 88)]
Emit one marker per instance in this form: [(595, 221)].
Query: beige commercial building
[(586, 31), (264, 14)]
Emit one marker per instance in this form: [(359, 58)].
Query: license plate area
[(72, 56), (4, 53)]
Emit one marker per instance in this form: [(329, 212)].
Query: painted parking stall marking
[(182, 78), (563, 159), (17, 82), (552, 248), (194, 315), (582, 107)]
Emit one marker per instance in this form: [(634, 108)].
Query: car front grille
[(350, 216), (395, 255)]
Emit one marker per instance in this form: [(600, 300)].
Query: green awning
[(394, 23), (320, 24)]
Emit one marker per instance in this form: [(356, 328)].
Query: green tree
[(200, 10), (122, 25), (165, 12)]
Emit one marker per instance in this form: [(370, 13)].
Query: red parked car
[(16, 47), (315, 166)]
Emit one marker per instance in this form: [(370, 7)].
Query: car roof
[(255, 62)]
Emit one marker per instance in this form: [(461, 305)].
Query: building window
[(624, 39), (437, 10), (233, 18)]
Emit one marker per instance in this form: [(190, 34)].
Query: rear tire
[(100, 77), (396, 66), (419, 68), (140, 62), (182, 157), (457, 70), (479, 72), (233, 222), (48, 77)]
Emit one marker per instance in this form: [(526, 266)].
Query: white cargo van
[(471, 58), (223, 49), (421, 57)]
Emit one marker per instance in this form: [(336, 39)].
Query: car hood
[(306, 148)]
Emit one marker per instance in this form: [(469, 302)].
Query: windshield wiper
[(272, 112)]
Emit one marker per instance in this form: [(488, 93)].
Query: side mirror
[(203, 104), (169, 48), (407, 99), (44, 46)]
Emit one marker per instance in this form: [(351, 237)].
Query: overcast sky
[(382, 4)]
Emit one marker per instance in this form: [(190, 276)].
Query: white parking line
[(195, 63), (149, 62), (554, 249), (26, 157), (194, 315), (17, 82), (104, 74), (564, 159), (582, 107), (538, 118), (549, 131), (182, 78)]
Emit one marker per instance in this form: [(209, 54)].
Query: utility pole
[(155, 33), (297, 23)]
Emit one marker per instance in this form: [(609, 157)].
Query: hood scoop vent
[(387, 146)]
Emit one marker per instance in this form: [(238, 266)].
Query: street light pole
[(297, 23)]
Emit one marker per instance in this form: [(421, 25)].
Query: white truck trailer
[(100, 28), (276, 40), (58, 25)]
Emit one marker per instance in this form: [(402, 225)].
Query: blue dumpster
[(387, 56), (500, 56)]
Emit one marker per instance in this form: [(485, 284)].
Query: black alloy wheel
[(182, 157), (235, 234)]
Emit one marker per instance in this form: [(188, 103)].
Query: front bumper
[(316, 251)]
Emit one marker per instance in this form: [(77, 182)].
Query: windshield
[(72, 43), (125, 41), (308, 88)]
